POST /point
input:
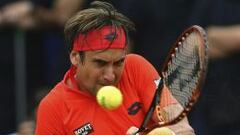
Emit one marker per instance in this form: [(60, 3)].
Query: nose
[(109, 75)]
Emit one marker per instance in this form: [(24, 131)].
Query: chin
[(95, 90), (94, 93)]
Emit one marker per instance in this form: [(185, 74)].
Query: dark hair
[(98, 15)]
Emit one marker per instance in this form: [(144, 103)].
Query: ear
[(74, 57)]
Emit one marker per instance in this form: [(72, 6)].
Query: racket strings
[(183, 70)]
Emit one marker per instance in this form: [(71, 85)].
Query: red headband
[(100, 39)]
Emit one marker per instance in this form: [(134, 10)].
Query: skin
[(224, 41), (22, 14), (99, 68), (26, 128)]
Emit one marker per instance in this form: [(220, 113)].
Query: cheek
[(95, 76), (119, 73), (89, 78), (91, 75)]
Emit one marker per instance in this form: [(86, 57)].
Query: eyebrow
[(99, 60), (105, 61)]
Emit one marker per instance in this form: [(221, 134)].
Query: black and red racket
[(183, 73)]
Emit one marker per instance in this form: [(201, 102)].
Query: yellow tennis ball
[(109, 97), (161, 131)]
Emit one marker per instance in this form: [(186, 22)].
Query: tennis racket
[(183, 73)]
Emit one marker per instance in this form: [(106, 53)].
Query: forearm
[(182, 127)]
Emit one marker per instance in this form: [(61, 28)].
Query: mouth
[(106, 84)]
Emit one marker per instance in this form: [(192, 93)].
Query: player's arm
[(182, 127), (147, 85), (169, 104)]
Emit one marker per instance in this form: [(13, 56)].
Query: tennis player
[(98, 39)]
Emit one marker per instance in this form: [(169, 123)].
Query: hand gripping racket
[(183, 73)]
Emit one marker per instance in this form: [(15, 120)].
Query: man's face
[(99, 68)]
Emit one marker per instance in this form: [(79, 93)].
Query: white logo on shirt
[(84, 130)]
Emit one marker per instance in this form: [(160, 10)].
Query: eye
[(119, 63), (100, 63)]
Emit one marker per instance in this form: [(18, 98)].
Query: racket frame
[(196, 93)]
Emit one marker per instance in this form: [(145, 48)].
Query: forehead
[(109, 54)]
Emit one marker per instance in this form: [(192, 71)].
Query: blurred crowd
[(158, 23)]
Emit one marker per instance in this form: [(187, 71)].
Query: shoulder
[(135, 60), (137, 67), (53, 101), (51, 113), (54, 95)]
